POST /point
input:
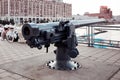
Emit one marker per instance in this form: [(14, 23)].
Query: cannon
[(62, 35)]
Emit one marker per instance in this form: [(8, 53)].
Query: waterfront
[(108, 35), (99, 37)]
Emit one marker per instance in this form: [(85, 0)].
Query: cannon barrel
[(52, 32), (32, 29)]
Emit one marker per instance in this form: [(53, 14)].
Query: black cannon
[(62, 35)]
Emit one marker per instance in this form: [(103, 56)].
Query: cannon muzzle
[(30, 30)]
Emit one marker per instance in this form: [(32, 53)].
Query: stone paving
[(10, 52)]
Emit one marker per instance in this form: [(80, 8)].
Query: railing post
[(92, 37), (88, 36)]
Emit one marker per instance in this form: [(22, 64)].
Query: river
[(108, 35)]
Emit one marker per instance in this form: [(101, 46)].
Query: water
[(109, 35)]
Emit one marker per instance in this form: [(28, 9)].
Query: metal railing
[(92, 41)]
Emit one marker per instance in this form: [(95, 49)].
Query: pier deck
[(16, 60)]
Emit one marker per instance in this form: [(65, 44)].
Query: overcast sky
[(93, 6)]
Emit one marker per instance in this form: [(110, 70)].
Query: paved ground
[(10, 52)]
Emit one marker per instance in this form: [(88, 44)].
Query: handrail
[(90, 39)]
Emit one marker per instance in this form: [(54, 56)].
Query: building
[(105, 12), (116, 19), (34, 10)]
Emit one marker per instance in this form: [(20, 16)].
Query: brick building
[(105, 12), (21, 10)]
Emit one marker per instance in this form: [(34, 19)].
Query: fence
[(95, 36)]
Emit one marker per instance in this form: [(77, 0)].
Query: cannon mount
[(62, 35)]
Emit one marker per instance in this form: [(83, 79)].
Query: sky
[(93, 6)]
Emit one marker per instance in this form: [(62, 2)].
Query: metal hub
[(63, 65)]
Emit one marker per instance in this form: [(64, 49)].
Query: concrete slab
[(35, 68)]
